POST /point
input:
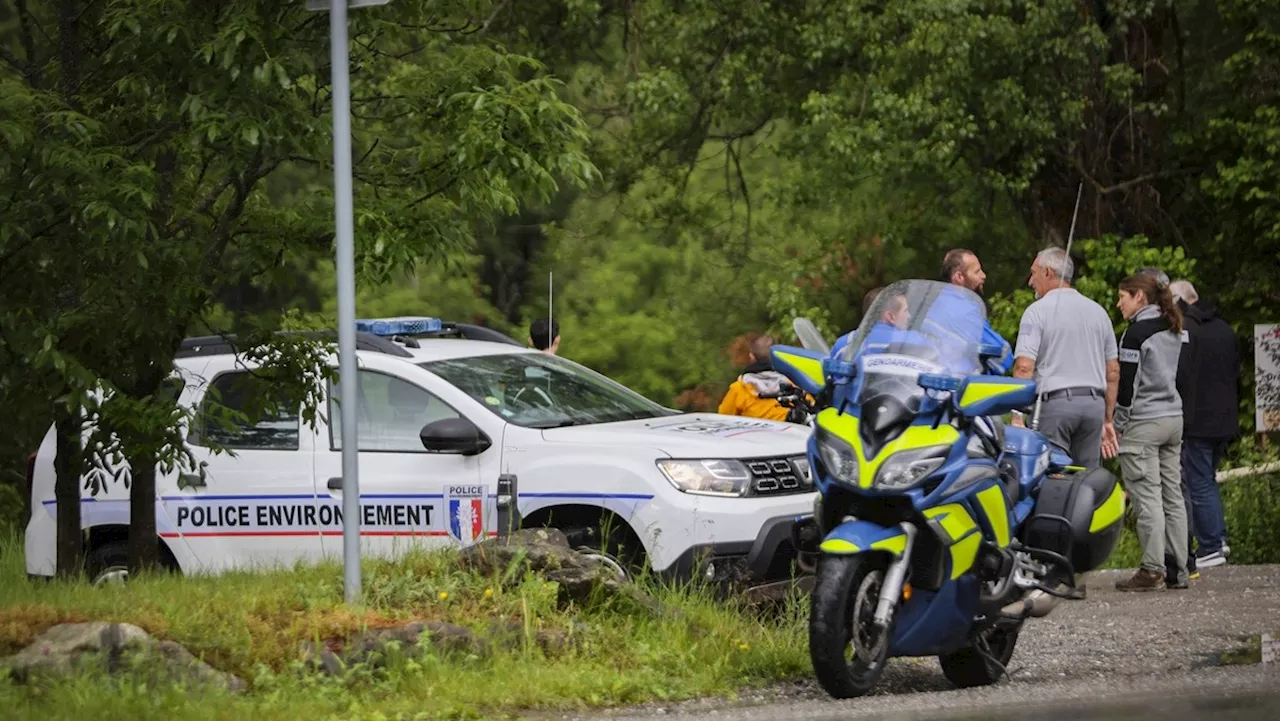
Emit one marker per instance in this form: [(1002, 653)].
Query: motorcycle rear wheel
[(969, 667), (840, 621)]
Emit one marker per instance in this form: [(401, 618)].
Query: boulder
[(546, 552), (374, 648), (509, 635), (72, 648)]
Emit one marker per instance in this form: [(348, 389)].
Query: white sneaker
[(1218, 558)]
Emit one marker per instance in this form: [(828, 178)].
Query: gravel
[(1109, 646)]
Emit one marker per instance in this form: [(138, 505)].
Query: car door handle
[(335, 484), (190, 480)]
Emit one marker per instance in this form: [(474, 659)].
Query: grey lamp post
[(340, 60)]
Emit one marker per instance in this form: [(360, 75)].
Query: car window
[(242, 393), (538, 390), (391, 413)]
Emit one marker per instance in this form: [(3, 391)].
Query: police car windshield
[(538, 390), (922, 320)]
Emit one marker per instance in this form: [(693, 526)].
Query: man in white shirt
[(1066, 343)]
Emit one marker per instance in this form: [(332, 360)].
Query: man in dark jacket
[(1208, 381)]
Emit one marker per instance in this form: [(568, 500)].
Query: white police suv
[(442, 419)]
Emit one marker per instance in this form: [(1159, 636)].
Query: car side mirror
[(455, 436)]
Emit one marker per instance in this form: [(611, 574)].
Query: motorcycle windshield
[(921, 326)]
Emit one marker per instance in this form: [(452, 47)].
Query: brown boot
[(1142, 580)]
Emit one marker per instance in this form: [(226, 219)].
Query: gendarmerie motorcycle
[(937, 531)]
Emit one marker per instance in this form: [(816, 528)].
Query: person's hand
[(1110, 441)]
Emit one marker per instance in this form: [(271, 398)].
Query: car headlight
[(904, 469), (708, 477), (839, 458)]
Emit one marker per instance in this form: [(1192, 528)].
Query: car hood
[(706, 435)]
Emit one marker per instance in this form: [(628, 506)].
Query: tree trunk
[(144, 550), (66, 491), (144, 541)]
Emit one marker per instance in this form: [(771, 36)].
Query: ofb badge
[(465, 505)]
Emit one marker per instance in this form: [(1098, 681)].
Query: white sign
[(1266, 347)]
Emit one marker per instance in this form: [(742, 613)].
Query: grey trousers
[(1075, 423), (1151, 461)]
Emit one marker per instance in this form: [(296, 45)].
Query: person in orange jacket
[(743, 397)]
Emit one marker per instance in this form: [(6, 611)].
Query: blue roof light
[(402, 325)]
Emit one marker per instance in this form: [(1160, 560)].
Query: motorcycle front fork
[(894, 578)]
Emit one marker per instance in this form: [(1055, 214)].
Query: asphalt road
[(1140, 656)]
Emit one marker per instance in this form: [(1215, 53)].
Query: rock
[(509, 636), (71, 648), (539, 549), (771, 598), (374, 647), (546, 552)]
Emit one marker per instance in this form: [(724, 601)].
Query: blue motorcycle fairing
[(933, 623), (852, 537)]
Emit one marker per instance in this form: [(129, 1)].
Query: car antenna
[(551, 292), (1071, 233)]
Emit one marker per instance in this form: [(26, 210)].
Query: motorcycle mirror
[(809, 336)]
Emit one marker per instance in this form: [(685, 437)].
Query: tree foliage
[(760, 160), (140, 141)]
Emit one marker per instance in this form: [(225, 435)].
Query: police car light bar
[(402, 325)]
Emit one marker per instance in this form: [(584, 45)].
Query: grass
[(252, 624)]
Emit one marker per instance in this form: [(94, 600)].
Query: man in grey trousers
[(1067, 345)]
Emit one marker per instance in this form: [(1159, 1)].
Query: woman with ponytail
[(1148, 419)]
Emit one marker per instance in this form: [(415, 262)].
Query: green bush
[(11, 510), (1252, 508)]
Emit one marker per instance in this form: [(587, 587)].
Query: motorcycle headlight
[(728, 478), (905, 469), (838, 456)]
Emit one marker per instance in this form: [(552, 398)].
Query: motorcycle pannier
[(1079, 516)]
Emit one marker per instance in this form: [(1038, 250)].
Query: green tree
[(151, 129)]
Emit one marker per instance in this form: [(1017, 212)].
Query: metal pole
[(348, 380)]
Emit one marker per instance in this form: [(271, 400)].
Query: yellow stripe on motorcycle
[(845, 426), (993, 504), (963, 535), (812, 368), (894, 544), (1109, 512), (977, 391), (953, 518), (963, 554), (837, 545)]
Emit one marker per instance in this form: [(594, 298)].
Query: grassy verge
[(1252, 509), (251, 624)]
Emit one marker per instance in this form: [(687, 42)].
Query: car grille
[(777, 477)]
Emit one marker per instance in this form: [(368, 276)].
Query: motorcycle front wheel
[(847, 649)]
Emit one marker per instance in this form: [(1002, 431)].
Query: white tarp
[(1266, 339)]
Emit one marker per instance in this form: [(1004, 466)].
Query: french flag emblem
[(466, 513)]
